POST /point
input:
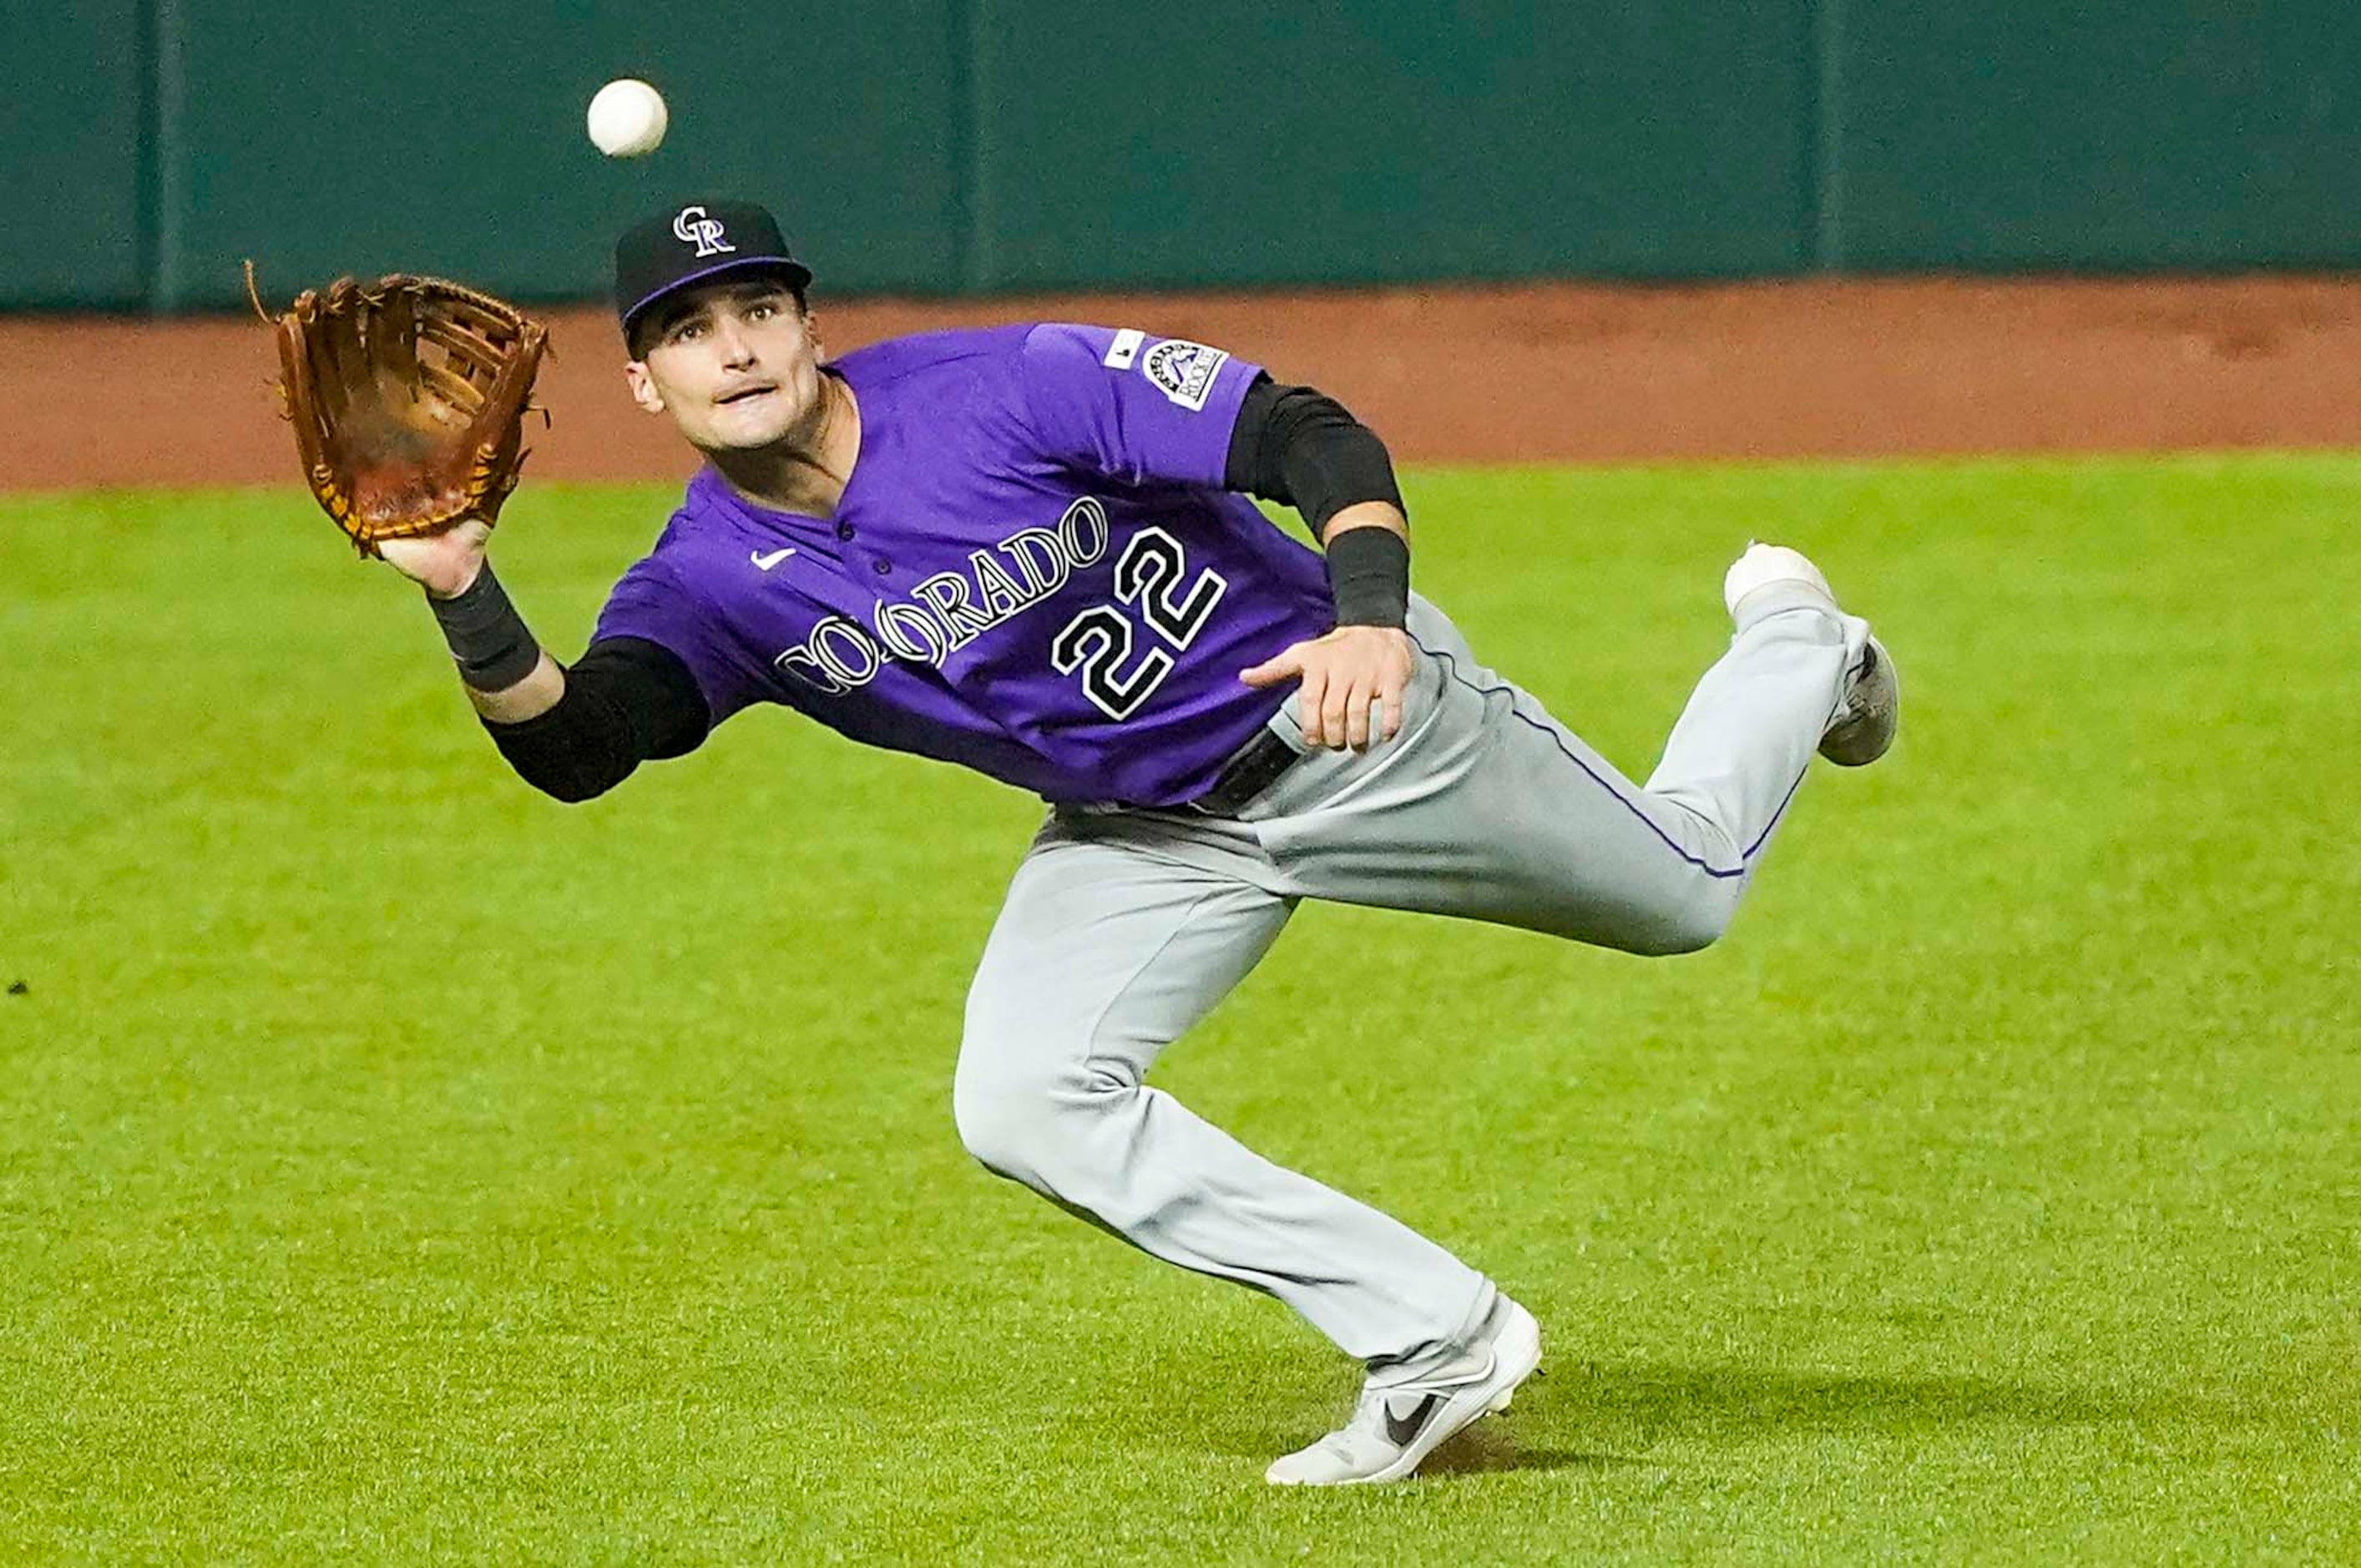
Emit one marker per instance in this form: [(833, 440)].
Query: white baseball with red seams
[(628, 118)]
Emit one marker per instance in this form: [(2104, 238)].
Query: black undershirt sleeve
[(627, 701), (1300, 448)]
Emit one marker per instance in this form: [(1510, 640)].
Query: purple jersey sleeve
[(1132, 407), (650, 603)]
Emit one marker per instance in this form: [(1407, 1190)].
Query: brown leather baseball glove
[(408, 397)]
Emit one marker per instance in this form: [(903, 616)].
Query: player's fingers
[(1393, 684), (1270, 671), (1356, 715), (1308, 700), (1389, 693), (1336, 702)]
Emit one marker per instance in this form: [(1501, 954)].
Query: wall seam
[(982, 264), (143, 155), (169, 52), (1827, 199), (960, 139)]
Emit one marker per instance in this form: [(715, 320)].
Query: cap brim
[(795, 272)]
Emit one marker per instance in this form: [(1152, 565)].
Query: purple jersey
[(1034, 571)]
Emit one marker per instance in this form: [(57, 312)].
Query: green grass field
[(396, 1165)]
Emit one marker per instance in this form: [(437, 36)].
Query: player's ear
[(644, 387)]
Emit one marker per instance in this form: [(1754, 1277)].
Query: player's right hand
[(442, 564), (1340, 678)]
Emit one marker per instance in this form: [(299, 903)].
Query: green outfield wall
[(961, 145)]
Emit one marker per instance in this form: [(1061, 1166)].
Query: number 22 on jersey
[(1099, 641)]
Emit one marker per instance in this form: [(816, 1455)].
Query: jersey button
[(844, 531), (881, 565)]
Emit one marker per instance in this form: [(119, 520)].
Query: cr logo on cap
[(705, 232)]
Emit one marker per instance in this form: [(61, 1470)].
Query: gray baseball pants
[(1123, 927)]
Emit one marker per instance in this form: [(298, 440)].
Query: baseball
[(628, 118)]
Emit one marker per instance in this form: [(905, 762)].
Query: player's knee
[(1035, 1122), (998, 1121), (1009, 1115), (1688, 925), (992, 1104)]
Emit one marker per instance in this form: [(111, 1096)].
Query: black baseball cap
[(695, 243)]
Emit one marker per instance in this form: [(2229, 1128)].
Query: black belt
[(1252, 769)]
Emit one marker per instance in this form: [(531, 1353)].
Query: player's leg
[(1766, 705), (1108, 949), (1486, 807), (1120, 933)]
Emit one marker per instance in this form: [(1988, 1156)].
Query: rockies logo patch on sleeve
[(1184, 371)]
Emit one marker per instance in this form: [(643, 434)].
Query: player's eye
[(760, 310)]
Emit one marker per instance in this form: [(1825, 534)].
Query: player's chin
[(749, 422)]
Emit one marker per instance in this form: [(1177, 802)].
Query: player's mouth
[(747, 393)]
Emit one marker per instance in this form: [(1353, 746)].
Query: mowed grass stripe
[(394, 1164)]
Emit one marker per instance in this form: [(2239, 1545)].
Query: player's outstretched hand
[(444, 563), (1343, 675)]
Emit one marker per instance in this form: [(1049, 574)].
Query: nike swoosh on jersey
[(1402, 1430), (773, 559)]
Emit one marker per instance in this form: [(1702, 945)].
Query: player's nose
[(737, 346)]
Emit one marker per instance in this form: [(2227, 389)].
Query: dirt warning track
[(1529, 373)]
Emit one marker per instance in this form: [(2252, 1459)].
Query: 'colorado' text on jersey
[(1034, 570)]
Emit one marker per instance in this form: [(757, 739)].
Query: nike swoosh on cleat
[(1400, 1431), (773, 559)]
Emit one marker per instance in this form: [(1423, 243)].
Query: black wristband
[(489, 640), (1368, 573)]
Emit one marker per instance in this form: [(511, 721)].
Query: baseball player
[(1029, 549)]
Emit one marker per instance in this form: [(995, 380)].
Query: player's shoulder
[(1064, 357), (1055, 345), (973, 383), (893, 358), (1035, 343)]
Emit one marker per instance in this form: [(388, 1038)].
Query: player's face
[(736, 366)]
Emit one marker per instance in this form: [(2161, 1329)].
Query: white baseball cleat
[(1864, 724), (1394, 1427), (1871, 710)]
